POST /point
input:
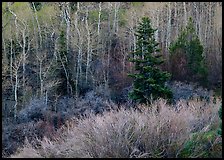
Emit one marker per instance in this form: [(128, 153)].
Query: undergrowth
[(188, 129)]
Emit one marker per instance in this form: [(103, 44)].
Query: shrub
[(157, 131), (202, 145), (33, 111)]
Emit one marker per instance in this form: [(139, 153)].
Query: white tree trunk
[(24, 63), (88, 46), (99, 16), (79, 66), (15, 95), (157, 25), (176, 20), (185, 13), (41, 79), (168, 26), (67, 18), (16, 68), (115, 24), (38, 25)]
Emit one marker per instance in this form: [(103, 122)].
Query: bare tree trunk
[(88, 46), (40, 58), (11, 53), (98, 29), (176, 20), (185, 13), (117, 19), (133, 31), (23, 46), (4, 50), (67, 18), (38, 25), (16, 68), (157, 25), (15, 95), (24, 63), (115, 24), (79, 66), (168, 26), (41, 80), (99, 15), (198, 20), (109, 46)]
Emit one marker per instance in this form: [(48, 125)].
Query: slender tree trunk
[(176, 20), (15, 95), (11, 54), (16, 68), (198, 19), (109, 46), (157, 25), (68, 22), (185, 13), (24, 64), (38, 25), (79, 66), (88, 46), (168, 26), (115, 24), (133, 32), (41, 80), (99, 16)]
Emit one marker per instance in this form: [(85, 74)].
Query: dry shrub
[(158, 130)]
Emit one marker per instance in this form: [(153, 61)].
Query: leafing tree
[(149, 79)]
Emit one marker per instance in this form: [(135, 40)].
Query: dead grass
[(157, 131)]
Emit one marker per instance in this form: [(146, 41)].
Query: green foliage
[(220, 116), (47, 11), (201, 145), (149, 81), (122, 17), (137, 4), (187, 56), (94, 15)]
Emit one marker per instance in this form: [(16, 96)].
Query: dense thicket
[(67, 48)]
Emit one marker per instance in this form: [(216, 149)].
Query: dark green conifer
[(186, 57), (149, 80)]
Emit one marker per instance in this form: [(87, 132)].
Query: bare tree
[(67, 17), (79, 45), (89, 54), (38, 25), (16, 66), (115, 23), (185, 13), (22, 27), (168, 26)]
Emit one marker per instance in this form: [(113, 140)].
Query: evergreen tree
[(186, 59), (149, 80)]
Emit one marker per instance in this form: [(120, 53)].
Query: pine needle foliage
[(149, 79)]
